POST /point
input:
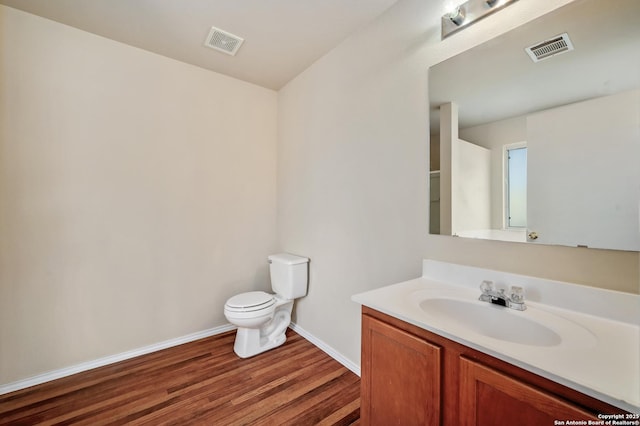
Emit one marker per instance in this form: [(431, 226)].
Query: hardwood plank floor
[(201, 382)]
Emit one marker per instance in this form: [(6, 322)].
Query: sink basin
[(492, 321)]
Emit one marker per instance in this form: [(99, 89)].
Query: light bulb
[(457, 16)]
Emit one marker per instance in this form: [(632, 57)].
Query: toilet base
[(253, 341), (249, 343)]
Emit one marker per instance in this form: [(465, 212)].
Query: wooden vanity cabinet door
[(400, 377), (491, 398)]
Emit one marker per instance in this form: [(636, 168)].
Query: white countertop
[(600, 350)]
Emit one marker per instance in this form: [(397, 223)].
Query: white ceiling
[(282, 37)]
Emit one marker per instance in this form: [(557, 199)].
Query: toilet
[(262, 318)]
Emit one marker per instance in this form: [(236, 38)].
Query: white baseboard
[(100, 362), (111, 359), (326, 348)]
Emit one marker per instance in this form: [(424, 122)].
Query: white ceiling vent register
[(223, 41), (550, 47)]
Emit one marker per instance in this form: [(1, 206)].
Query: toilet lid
[(251, 301)]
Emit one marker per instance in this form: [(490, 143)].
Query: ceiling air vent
[(550, 47), (223, 41)]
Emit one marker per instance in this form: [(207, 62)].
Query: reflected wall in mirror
[(543, 151)]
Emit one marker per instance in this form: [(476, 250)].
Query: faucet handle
[(487, 286), (517, 294)]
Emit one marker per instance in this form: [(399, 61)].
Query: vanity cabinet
[(411, 376), (401, 376), (489, 397)]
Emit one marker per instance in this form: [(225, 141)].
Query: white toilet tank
[(289, 275)]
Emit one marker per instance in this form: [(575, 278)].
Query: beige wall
[(353, 166), (137, 194)]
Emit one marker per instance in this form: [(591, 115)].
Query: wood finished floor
[(201, 382)]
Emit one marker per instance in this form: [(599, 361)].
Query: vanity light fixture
[(469, 12)]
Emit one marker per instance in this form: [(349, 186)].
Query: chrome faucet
[(513, 300)]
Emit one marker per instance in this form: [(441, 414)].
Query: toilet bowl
[(260, 328), (262, 318)]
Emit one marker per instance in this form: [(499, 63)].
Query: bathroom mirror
[(542, 146)]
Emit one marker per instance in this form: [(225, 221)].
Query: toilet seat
[(251, 301)]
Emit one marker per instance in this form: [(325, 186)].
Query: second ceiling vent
[(223, 41), (550, 47)]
